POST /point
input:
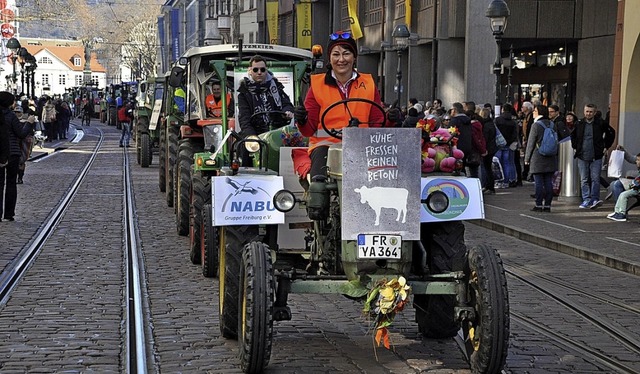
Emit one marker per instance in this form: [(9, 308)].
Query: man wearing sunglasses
[(260, 91), (340, 82)]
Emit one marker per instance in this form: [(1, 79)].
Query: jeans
[(617, 188), (543, 188), (590, 179), (622, 201), (126, 133), (508, 166)]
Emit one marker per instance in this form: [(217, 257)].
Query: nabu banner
[(245, 200)]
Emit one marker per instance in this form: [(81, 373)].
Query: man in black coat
[(588, 141)]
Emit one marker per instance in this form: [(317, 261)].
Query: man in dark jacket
[(509, 130), (9, 174), (588, 140), (260, 91)]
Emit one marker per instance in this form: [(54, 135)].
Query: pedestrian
[(509, 129), (64, 117), (489, 133), (622, 202), (571, 120), (527, 122), (412, 118), (540, 166), (466, 139), (618, 186), (9, 174), (588, 141), (49, 119), (26, 144), (124, 118)]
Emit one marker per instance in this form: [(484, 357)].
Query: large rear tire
[(232, 240), (257, 290), (172, 157), (444, 242), (487, 335), (162, 160), (199, 188), (183, 190), (145, 150), (209, 244)]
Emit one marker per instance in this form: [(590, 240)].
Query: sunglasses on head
[(262, 70), (340, 35)]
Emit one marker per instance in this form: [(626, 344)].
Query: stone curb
[(562, 247)]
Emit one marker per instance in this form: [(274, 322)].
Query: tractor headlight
[(284, 201), (252, 146), (438, 202)]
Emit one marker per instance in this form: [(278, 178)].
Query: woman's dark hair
[(542, 110)]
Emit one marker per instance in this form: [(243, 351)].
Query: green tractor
[(200, 142), (147, 115)]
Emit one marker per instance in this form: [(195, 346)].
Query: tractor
[(146, 118)]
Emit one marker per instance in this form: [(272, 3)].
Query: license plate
[(379, 246)]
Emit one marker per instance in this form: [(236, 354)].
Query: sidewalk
[(583, 233)]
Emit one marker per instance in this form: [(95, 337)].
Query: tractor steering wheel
[(275, 116), (353, 121)]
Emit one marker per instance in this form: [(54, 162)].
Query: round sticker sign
[(456, 192)]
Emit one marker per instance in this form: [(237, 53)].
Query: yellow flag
[(407, 12), (303, 13), (272, 21), (356, 31)]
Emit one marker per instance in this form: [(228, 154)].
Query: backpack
[(549, 144)]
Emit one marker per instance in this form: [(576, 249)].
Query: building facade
[(61, 66)]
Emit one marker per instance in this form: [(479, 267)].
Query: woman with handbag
[(542, 167), (489, 131)]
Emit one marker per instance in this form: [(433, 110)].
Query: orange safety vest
[(215, 108), (362, 87)]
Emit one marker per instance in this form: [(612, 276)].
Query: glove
[(300, 115), (393, 115)]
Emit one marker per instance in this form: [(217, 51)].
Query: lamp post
[(498, 12), (14, 45), (401, 38)]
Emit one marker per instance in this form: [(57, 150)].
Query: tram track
[(11, 276), (550, 287), (137, 346)]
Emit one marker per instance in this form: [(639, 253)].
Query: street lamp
[(13, 45), (498, 12), (22, 59), (400, 36)]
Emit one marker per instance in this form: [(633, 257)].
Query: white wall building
[(60, 66)]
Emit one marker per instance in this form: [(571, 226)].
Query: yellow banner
[(272, 21), (356, 31), (407, 13), (303, 15)]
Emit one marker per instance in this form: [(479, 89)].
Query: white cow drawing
[(385, 197)]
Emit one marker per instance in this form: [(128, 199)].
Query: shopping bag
[(616, 160), (556, 182), (496, 168)]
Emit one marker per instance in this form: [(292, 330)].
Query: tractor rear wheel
[(209, 244), (255, 317), (444, 242), (183, 186), (172, 157), (162, 160), (199, 188), (145, 150)]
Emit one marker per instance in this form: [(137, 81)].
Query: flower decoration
[(384, 302), (439, 146), (291, 137)]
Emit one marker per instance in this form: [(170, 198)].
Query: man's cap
[(344, 39)]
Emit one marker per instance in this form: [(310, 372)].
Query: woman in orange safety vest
[(340, 82)]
